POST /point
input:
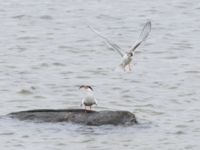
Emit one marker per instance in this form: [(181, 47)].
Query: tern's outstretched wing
[(113, 45), (143, 35)]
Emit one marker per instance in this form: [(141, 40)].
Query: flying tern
[(127, 56)]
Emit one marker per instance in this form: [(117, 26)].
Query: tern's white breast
[(126, 60), (89, 99)]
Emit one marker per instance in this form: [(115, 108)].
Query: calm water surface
[(47, 51)]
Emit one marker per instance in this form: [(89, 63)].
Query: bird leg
[(129, 66)]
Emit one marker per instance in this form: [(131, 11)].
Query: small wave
[(25, 92), (58, 64), (46, 17), (27, 38), (18, 16)]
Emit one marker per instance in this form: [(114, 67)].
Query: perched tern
[(89, 98), (127, 56)]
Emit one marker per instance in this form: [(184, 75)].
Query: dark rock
[(79, 116)]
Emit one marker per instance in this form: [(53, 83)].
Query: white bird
[(127, 56), (89, 98)]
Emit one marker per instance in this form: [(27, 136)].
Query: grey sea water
[(47, 51)]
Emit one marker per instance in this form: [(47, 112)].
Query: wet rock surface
[(79, 116)]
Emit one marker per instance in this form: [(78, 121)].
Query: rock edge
[(79, 116)]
